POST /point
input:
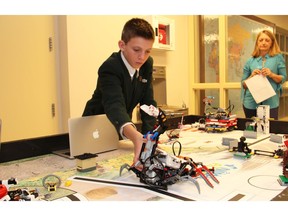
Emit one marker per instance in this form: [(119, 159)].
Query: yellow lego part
[(68, 183)]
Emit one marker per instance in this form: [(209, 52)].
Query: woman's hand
[(255, 72), (266, 72)]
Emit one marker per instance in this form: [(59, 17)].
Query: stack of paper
[(260, 88)]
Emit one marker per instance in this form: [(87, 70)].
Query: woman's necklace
[(263, 61)]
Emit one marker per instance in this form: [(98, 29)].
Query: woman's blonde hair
[(274, 49)]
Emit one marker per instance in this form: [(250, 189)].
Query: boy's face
[(136, 51)]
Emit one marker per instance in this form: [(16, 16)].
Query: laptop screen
[(90, 134)]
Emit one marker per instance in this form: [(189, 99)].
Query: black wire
[(230, 108), (180, 148)]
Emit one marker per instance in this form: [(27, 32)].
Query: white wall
[(280, 20)]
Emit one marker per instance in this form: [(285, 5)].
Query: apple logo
[(95, 134)]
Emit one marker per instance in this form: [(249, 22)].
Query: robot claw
[(197, 170), (158, 174)]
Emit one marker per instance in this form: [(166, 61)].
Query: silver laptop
[(90, 134)]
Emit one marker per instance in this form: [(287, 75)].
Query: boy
[(124, 80)]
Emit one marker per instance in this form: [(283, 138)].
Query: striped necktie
[(135, 76)]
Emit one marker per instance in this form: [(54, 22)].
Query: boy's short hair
[(137, 27)]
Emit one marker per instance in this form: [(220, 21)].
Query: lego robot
[(161, 169)]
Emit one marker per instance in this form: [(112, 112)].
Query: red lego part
[(3, 191), (286, 143)]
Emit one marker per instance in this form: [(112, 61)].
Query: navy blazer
[(116, 95)]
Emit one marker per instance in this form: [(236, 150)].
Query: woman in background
[(268, 61)]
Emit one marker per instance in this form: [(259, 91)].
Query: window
[(226, 43)]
